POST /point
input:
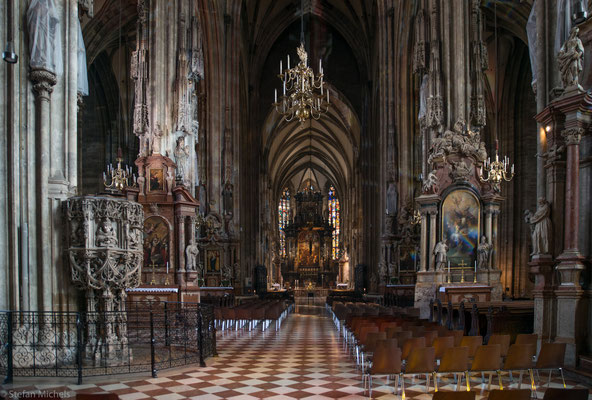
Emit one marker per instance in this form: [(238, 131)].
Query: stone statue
[(169, 180), (181, 155), (431, 183), (440, 251), (106, 234), (191, 253), (483, 253), (391, 199), (540, 223), (45, 41), (571, 60), (227, 272)]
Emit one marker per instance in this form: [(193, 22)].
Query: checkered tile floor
[(305, 359)]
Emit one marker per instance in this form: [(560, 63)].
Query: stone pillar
[(43, 83), (424, 241), (433, 214), (541, 267), (569, 293), (180, 220)]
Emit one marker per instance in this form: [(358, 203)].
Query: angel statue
[(571, 59)]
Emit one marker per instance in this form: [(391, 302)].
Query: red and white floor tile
[(304, 360)]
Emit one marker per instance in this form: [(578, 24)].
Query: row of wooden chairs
[(251, 314), (389, 359), (517, 394)]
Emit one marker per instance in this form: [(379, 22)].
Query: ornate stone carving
[(43, 82), (106, 234), (572, 136), (571, 60), (213, 225), (435, 114), (181, 155), (540, 227), (461, 171), (459, 141), (430, 184), (86, 6)]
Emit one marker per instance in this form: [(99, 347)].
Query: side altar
[(459, 211)]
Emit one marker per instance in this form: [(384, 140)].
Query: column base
[(426, 289), (541, 266), (570, 268)]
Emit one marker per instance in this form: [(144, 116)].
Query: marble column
[(433, 214), (424, 241), (569, 292), (43, 83), (180, 220)]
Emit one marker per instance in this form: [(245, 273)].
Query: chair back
[(386, 359), (457, 335), (416, 331), (514, 394), (563, 394), (402, 337), (384, 325), (364, 331), (502, 340), (410, 344), (441, 344), (519, 357), (527, 338), (371, 340), (472, 342), (391, 331), (455, 359), (551, 356), (421, 360), (487, 358), (454, 396), (430, 336)]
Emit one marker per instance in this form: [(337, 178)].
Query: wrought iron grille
[(147, 337)]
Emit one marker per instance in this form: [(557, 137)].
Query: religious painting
[(308, 248), (461, 218), (156, 179), (407, 258), (213, 261), (156, 242)]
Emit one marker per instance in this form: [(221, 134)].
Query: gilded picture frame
[(461, 225)]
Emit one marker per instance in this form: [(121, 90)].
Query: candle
[(449, 267), (320, 66), (167, 267), (275, 95), (288, 61), (281, 69), (327, 95)]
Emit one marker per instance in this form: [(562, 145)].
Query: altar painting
[(308, 248), (408, 258), (461, 213), (156, 241)]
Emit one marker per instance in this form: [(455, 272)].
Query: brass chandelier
[(303, 93), (496, 171)]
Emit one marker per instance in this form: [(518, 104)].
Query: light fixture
[(9, 55), (580, 14), (303, 94), (116, 179), (497, 171)]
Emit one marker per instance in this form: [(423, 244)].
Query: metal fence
[(147, 337)]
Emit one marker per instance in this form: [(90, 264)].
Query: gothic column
[(569, 292), (43, 83)]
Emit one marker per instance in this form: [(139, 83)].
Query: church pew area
[(250, 314)]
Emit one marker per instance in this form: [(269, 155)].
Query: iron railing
[(147, 337)]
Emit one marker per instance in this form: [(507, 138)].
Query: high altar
[(308, 244), (459, 223)]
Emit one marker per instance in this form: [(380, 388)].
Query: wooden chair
[(472, 342), (550, 358), (519, 359), (420, 361), (527, 338), (386, 361), (563, 394), (454, 396), (457, 335), (409, 345), (454, 361), (392, 330), (402, 337), (441, 344), (416, 331), (522, 394), (370, 345), (502, 340), (430, 336), (487, 359)]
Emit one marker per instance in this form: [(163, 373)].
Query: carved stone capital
[(86, 6), (43, 82), (572, 136)]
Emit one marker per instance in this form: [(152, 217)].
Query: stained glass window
[(283, 217), (334, 220)]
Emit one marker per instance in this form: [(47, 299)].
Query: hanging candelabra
[(496, 171), (116, 179), (304, 94)]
